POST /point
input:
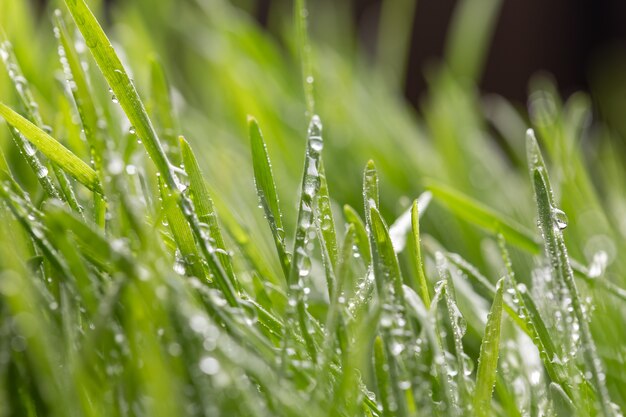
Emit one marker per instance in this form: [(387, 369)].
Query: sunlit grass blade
[(488, 359), (483, 216), (266, 191), (53, 150)]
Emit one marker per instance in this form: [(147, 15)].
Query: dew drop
[(560, 218)]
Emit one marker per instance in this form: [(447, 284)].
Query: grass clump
[(137, 277)]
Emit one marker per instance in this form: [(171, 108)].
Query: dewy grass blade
[(182, 234), (53, 150), (266, 190), (85, 106), (385, 261), (27, 100), (301, 261), (418, 255), (458, 325), (24, 94), (488, 359), (121, 84), (475, 212), (203, 205), (326, 220), (551, 227), (361, 239)]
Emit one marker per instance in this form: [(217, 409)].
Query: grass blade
[(488, 359), (418, 255), (203, 205), (121, 84), (361, 239), (474, 212), (551, 225), (266, 190), (53, 150), (183, 236)]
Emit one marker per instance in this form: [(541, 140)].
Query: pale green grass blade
[(483, 216), (421, 277), (53, 150), (488, 359), (266, 191)]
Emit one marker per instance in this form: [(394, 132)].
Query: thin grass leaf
[(163, 108), (370, 190), (381, 368), (124, 89), (326, 220), (204, 206), (183, 236), (551, 225), (85, 106), (53, 150), (387, 270), (477, 213), (563, 406), (361, 239), (266, 191), (423, 285), (301, 262), (488, 359)]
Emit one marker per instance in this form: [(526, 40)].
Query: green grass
[(142, 274)]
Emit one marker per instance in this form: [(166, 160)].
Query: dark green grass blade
[(53, 150), (476, 213), (488, 359), (266, 190)]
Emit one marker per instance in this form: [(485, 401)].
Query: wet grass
[(138, 277)]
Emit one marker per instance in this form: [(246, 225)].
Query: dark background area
[(562, 37)]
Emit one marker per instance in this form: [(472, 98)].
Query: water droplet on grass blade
[(560, 218)]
